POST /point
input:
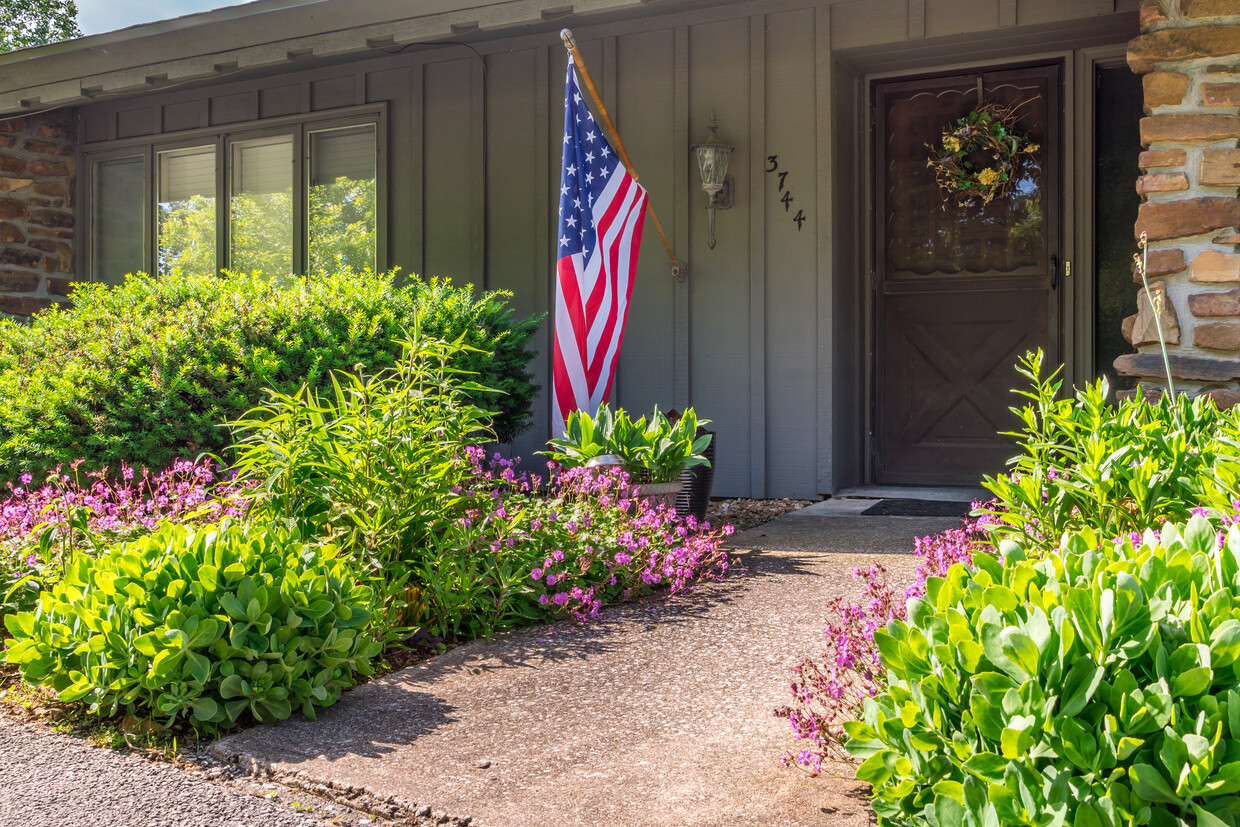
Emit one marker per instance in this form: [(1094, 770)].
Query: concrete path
[(657, 714)]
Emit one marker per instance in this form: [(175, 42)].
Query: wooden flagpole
[(679, 268)]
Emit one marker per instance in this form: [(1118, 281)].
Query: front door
[(961, 291)]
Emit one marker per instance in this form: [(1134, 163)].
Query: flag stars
[(572, 169), (605, 152), (589, 157), (591, 137), (571, 221), (577, 203), (589, 178), (563, 190), (563, 240)]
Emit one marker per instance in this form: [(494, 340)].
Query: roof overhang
[(263, 35)]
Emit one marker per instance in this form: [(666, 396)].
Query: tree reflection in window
[(342, 199), (261, 207), (186, 211)]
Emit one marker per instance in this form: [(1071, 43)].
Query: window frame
[(222, 137)]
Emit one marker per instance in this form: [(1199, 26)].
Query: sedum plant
[(204, 624), (1095, 685)]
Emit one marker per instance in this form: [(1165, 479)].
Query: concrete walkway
[(657, 714)]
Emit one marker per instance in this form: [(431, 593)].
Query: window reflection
[(261, 207), (342, 199), (186, 211)]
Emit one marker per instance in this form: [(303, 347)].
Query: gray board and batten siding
[(768, 334)]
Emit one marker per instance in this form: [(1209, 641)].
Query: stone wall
[(1189, 56), (36, 211)]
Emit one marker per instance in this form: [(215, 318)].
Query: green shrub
[(378, 465), (1097, 685), (657, 452), (1116, 467), (205, 623), (148, 371)]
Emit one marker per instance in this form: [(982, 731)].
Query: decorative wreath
[(986, 133)]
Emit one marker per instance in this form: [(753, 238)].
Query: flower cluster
[(70, 510), (831, 688)]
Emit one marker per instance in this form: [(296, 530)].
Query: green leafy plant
[(148, 371), (378, 465), (1095, 684), (207, 624), (657, 452), (1086, 462)]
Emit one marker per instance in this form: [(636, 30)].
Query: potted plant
[(654, 454)]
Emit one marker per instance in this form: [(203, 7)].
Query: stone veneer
[(1189, 56), (36, 211)]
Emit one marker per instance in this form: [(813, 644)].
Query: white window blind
[(342, 153), (264, 165), (185, 173), (117, 219)]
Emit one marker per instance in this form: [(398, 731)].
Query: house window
[(283, 196), (342, 198), (261, 207), (116, 227), (185, 211)]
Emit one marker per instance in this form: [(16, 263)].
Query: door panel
[(961, 291)]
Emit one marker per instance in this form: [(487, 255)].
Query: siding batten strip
[(916, 19), (826, 275), (544, 206), (1007, 13), (478, 184), (680, 219), (757, 256), (417, 182)]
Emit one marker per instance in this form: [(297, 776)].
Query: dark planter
[(695, 496)]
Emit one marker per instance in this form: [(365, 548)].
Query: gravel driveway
[(49, 780)]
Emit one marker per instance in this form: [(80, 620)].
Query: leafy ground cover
[(1066, 656), (355, 518)]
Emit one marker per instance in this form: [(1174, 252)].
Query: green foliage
[(1097, 685), (148, 371), (205, 624), (1114, 467), (496, 352), (25, 23), (378, 465), (657, 452)]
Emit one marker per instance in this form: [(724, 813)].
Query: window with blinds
[(342, 199), (116, 225), (261, 206), (185, 181)]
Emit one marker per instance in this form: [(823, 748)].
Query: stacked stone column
[(36, 212)]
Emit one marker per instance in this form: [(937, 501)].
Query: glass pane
[(1117, 145), (929, 233), (186, 214), (342, 199), (117, 200), (261, 207)]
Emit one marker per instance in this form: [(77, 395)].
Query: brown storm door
[(961, 291)]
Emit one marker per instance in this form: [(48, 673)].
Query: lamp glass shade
[(712, 158)]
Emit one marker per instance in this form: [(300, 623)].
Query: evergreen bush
[(148, 372)]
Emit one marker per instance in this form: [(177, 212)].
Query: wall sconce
[(712, 159)]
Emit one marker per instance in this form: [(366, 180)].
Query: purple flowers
[(829, 689)]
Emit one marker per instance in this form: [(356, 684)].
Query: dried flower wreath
[(988, 133)]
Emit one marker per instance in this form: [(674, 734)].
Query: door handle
[(1054, 272)]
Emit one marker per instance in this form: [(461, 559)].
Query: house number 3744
[(786, 198)]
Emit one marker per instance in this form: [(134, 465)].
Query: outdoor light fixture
[(712, 159)]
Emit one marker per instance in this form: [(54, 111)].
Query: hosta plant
[(1095, 684), (654, 452), (208, 624)]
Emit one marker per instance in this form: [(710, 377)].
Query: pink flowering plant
[(525, 554), (42, 525), (830, 689), (387, 467)]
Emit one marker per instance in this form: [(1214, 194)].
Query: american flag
[(601, 214)]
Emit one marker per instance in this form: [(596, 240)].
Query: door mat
[(917, 508)]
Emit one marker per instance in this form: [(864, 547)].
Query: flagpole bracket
[(680, 270)]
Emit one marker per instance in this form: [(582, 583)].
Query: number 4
[(786, 200), (799, 218)]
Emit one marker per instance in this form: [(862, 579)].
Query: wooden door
[(960, 291)]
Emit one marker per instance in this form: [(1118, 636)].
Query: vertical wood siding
[(764, 336)]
